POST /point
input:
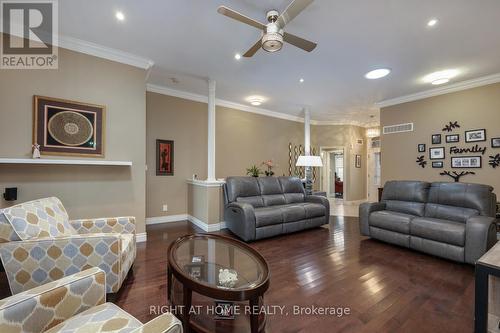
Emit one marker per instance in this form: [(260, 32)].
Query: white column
[(307, 132), (211, 131)]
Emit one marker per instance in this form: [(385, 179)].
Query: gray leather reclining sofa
[(450, 220), (257, 208)]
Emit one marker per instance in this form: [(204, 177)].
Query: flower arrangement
[(254, 171), (270, 166)]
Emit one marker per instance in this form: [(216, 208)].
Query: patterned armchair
[(75, 303), (39, 244)]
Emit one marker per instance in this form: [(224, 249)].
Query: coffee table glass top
[(220, 263)]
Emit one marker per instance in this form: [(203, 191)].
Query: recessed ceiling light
[(120, 16), (432, 22), (440, 81), (301, 80), (441, 77), (237, 56), (377, 73), (255, 100)]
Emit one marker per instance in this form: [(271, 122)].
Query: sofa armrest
[(119, 225), (240, 219), (60, 257), (165, 323), (480, 236), (365, 209), (320, 200), (43, 307)]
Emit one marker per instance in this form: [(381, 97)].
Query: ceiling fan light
[(272, 42)]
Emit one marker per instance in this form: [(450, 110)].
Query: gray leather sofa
[(450, 220), (257, 208)]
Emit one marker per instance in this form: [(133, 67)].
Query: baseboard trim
[(166, 219), (186, 217), (141, 237), (206, 227)]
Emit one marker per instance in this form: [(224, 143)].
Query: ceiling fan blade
[(253, 49), (302, 43), (292, 11), (240, 17)]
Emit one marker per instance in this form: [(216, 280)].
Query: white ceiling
[(189, 40)]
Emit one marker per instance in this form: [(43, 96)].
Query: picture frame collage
[(437, 155)]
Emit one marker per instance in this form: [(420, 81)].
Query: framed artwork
[(436, 153), (421, 148), (495, 143), (475, 135), (452, 138), (164, 157), (63, 127), (438, 165), (436, 139), (358, 161), (473, 162)]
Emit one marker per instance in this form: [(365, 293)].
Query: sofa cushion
[(392, 221), (408, 197), (445, 212), (273, 199), (291, 185), (473, 196), (293, 212), (406, 207), (39, 218), (241, 187), (255, 201), (438, 230), (291, 198), (406, 190), (314, 210), (267, 216), (106, 317), (269, 185)]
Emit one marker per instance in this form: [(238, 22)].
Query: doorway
[(374, 170), (333, 172)]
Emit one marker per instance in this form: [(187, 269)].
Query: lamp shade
[(309, 161)]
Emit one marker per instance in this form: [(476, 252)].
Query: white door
[(373, 174)]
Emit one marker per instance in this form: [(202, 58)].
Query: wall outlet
[(165, 208)]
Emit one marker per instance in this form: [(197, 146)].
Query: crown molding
[(241, 107), (459, 86), (104, 52)]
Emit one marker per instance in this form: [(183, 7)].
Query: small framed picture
[(358, 161), (495, 143), (469, 162), (421, 148), (436, 139), (438, 165), (475, 135), (436, 153), (453, 138), (164, 157)]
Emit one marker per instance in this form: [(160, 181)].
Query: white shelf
[(45, 161)]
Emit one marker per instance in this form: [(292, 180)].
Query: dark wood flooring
[(387, 288)]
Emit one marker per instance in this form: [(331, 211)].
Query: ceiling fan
[(273, 35)]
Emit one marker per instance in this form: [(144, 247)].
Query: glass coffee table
[(220, 268)]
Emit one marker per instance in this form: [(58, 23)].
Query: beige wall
[(345, 136), (86, 191), (244, 139), (185, 122), (473, 109)]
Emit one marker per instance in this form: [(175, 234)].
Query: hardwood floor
[(386, 288)]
